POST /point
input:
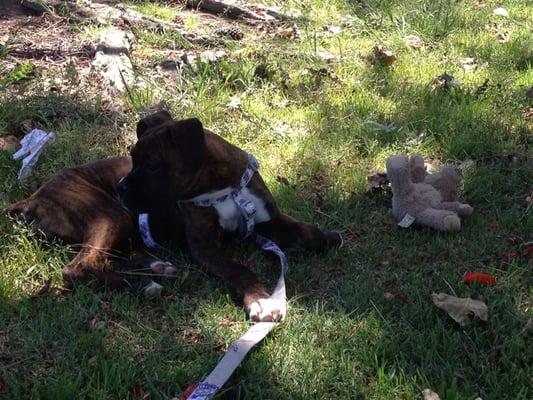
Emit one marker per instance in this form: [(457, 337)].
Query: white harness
[(238, 349)]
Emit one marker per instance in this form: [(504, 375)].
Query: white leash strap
[(238, 350), (231, 360)]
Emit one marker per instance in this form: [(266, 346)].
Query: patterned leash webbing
[(238, 349)]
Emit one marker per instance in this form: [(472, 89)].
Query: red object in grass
[(528, 251), (481, 277), (185, 395), (510, 254)]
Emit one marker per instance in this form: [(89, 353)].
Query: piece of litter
[(461, 309), (501, 12), (32, 146), (406, 221)]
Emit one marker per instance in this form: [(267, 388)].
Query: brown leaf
[(380, 54), (93, 360), (44, 289), (104, 305), (461, 309), (446, 81), (291, 33), (376, 181), (138, 392), (96, 324), (528, 113), (388, 296), (9, 143)]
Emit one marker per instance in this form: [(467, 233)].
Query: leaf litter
[(462, 310)]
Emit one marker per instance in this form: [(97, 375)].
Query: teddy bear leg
[(464, 210), (441, 220)]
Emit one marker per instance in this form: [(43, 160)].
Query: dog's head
[(165, 159)]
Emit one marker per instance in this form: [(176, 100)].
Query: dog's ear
[(151, 121), (188, 135)]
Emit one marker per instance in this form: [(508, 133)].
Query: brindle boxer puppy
[(179, 160), (80, 205)]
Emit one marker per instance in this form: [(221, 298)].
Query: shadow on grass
[(342, 338)]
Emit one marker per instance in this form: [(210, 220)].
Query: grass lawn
[(319, 114)]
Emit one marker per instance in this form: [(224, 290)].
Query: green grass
[(306, 120)]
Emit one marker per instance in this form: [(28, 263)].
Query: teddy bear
[(416, 200), (446, 181)]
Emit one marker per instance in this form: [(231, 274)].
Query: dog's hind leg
[(289, 232), (102, 237)]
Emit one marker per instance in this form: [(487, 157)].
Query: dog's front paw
[(334, 239), (164, 268), (267, 310)]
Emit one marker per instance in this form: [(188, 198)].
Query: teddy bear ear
[(397, 161)]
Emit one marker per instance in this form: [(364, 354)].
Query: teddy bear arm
[(441, 220)]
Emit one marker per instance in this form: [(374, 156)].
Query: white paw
[(268, 310), (153, 290), (163, 268)]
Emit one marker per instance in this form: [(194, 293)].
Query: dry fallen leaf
[(96, 324), (376, 181), (44, 289), (501, 12), (414, 41), (469, 64), (461, 309), (104, 305), (9, 143), (430, 395), (388, 296), (446, 81), (380, 54), (288, 33)]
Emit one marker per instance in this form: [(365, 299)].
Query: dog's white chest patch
[(229, 215)]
